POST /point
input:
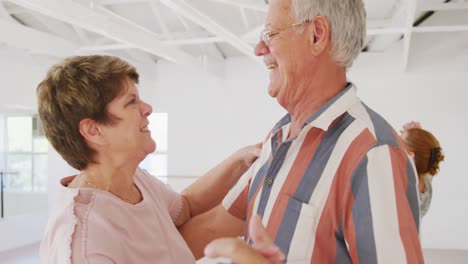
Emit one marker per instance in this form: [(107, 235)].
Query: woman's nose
[(146, 109)]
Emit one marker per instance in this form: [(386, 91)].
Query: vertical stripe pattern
[(344, 190)]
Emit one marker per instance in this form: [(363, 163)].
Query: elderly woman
[(113, 211), (425, 149)]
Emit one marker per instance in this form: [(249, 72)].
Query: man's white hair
[(347, 19)]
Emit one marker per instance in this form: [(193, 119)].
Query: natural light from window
[(26, 154)]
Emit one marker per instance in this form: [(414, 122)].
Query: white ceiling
[(190, 31)]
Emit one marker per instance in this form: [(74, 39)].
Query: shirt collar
[(334, 108), (327, 113)]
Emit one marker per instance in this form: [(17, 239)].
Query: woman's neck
[(116, 180)]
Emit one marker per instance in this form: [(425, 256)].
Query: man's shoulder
[(378, 126)]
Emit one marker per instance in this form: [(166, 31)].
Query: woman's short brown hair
[(80, 87), (426, 148)]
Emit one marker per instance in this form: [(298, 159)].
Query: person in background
[(112, 211), (427, 153)]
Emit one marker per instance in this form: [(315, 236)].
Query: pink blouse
[(94, 226)]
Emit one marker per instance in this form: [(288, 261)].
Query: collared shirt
[(343, 190)]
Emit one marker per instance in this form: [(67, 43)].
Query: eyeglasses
[(266, 36)]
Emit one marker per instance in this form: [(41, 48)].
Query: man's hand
[(263, 250)]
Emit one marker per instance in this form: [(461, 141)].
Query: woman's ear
[(412, 154), (89, 129), (320, 37)]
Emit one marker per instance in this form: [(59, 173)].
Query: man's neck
[(314, 96)]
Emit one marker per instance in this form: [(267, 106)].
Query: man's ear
[(320, 37), (89, 129)]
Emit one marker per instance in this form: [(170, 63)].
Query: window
[(156, 163), (25, 150)]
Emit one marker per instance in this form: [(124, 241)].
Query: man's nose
[(261, 49)]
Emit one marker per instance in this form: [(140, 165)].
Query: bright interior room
[(209, 96)]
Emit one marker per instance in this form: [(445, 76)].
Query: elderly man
[(334, 183)]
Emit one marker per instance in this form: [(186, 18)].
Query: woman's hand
[(263, 250), (249, 154)]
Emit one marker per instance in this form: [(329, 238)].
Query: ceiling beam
[(133, 24), (141, 56), (106, 25), (244, 4), (193, 41), (16, 10), (253, 36), (395, 18), (378, 23), (444, 7), (19, 36), (81, 34), (6, 14), (411, 8), (159, 17), (431, 29), (183, 22), (191, 13), (118, 2), (106, 47), (124, 20), (386, 31), (244, 18), (198, 33), (173, 42), (427, 29), (213, 50)]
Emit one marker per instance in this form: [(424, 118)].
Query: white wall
[(209, 117), (20, 74), (17, 203)]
